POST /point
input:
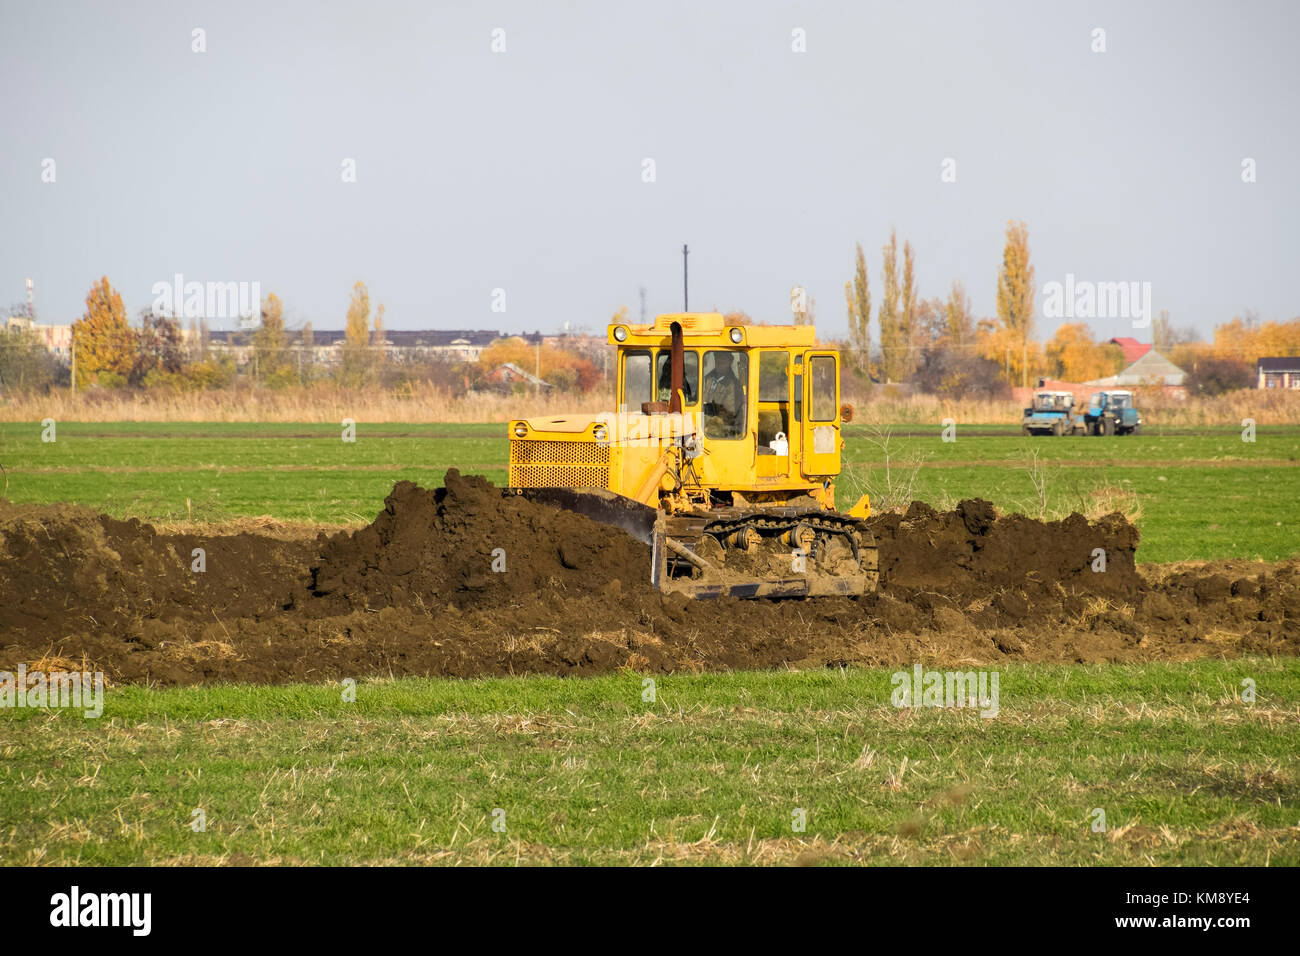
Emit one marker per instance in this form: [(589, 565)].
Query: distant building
[(1132, 348), (1282, 372), (461, 345), (57, 339), (1150, 368), (400, 345)]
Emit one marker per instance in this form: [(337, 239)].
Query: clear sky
[(523, 169)]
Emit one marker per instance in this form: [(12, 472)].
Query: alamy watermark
[(922, 688), (130, 910), (75, 690), (1083, 299), (210, 300)]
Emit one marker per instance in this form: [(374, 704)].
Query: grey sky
[(522, 170)]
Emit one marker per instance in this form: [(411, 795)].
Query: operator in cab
[(724, 399)]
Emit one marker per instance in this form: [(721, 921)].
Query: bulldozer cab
[(761, 402), (721, 453)]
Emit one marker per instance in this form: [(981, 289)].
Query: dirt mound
[(468, 545), (970, 550), (63, 566), (463, 580)]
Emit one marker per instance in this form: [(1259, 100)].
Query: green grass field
[(713, 770), (1198, 495)]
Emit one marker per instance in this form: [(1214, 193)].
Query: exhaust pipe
[(677, 370)]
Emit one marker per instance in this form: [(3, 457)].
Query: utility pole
[(538, 372), (643, 305), (686, 293)]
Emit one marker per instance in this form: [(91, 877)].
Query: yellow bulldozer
[(721, 454)]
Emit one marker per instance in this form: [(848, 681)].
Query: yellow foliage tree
[(104, 342), (1073, 356), (960, 327), (897, 312), (1248, 340), (356, 338), (565, 369), (857, 297), (1016, 300), (271, 343)]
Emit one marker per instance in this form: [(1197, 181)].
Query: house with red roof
[(1132, 348)]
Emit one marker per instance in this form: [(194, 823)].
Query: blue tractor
[(1050, 413), (1112, 413)]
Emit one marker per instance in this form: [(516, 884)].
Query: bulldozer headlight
[(737, 335), (620, 333), (521, 430), (600, 433)]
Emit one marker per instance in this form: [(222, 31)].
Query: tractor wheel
[(1108, 427)]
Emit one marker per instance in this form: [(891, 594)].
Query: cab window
[(773, 398), (690, 376), (636, 380), (725, 394), (823, 388)]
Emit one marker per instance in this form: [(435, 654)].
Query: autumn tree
[(1016, 298), (857, 296), (1162, 329), (1166, 337), (160, 348), (930, 329), (307, 343), (103, 341), (1217, 374), (377, 341), (356, 338), (960, 322), (1073, 356), (271, 345), (565, 369), (1249, 339), (907, 312), (897, 311), (958, 374)]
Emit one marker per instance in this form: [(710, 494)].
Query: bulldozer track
[(824, 527)]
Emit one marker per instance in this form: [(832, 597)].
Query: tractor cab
[(1112, 413), (1049, 413), (1053, 403)]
